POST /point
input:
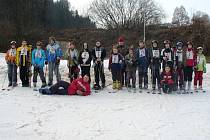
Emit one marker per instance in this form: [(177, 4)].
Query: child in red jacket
[(167, 80), (79, 86)]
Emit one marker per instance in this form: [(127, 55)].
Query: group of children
[(171, 67)]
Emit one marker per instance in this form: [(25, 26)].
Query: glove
[(75, 58), (79, 92), (29, 63), (204, 70), (57, 62)]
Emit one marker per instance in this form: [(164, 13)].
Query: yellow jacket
[(23, 56)]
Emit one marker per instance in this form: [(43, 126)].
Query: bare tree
[(180, 16), (125, 13)]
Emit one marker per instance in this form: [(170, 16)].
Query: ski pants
[(167, 88), (86, 71), (12, 73), (188, 71), (24, 75), (131, 75), (60, 88), (123, 76), (143, 75), (39, 71), (99, 73), (116, 75), (155, 76), (179, 77), (53, 67), (198, 77)]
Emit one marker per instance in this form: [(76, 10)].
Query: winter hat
[(167, 42), (179, 44), (13, 42), (200, 48), (121, 40)]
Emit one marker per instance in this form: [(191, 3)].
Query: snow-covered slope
[(27, 115)]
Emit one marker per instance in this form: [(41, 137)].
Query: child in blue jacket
[(38, 60), (143, 61), (53, 57)]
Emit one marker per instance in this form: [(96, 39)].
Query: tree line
[(32, 18)]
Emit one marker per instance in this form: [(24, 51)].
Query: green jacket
[(201, 63)]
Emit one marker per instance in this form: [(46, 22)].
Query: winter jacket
[(85, 58), (189, 58), (79, 84), (52, 52), (131, 62), (179, 59), (143, 57), (23, 56), (98, 52), (115, 61), (155, 54), (167, 78), (73, 58), (167, 56), (10, 56), (200, 63), (38, 58)]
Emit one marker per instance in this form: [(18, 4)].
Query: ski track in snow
[(25, 114)]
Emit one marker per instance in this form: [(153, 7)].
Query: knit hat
[(13, 42), (121, 40)]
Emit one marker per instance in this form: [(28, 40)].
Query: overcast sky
[(168, 6)]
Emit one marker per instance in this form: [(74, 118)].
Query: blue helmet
[(179, 44)]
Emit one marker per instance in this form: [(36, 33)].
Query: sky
[(167, 5)]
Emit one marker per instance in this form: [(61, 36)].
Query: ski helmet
[(179, 44)]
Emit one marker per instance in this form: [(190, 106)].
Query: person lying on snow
[(79, 86)]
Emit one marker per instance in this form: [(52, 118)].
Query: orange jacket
[(10, 56)]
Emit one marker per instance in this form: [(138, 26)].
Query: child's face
[(154, 45), (115, 51), (141, 44), (85, 46), (38, 46), (179, 48), (13, 46), (200, 51), (167, 69), (51, 41), (131, 52), (72, 46), (167, 45), (24, 43), (86, 78), (189, 46), (98, 44)]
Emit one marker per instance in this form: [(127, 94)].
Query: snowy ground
[(26, 115)]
